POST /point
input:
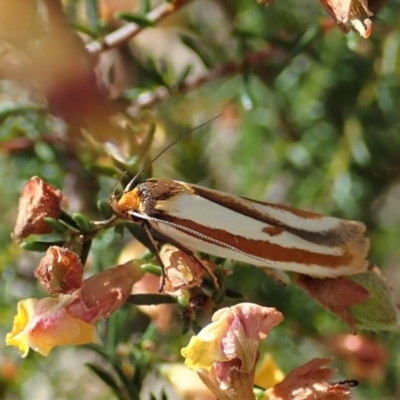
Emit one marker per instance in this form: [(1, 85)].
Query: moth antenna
[(113, 196), (132, 182)]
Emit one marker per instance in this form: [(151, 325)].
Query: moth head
[(125, 202)]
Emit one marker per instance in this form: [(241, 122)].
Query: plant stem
[(128, 31)]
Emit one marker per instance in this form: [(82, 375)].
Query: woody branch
[(128, 31)]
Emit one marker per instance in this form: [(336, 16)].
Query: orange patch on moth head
[(272, 230), (129, 201)]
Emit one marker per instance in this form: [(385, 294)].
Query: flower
[(60, 271), (46, 323), (69, 319), (37, 200), (107, 291), (268, 373), (185, 382), (353, 14), (183, 271), (225, 352), (310, 382)]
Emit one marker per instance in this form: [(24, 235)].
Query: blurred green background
[(310, 117)]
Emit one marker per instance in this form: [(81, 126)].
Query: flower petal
[(268, 373), (234, 333), (46, 323), (16, 337)]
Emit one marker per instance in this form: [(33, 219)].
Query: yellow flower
[(235, 332), (46, 323), (225, 352), (268, 373), (185, 382), (69, 319)]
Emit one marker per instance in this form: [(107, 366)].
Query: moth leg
[(146, 227), (209, 272), (189, 252)]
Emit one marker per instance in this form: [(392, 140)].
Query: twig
[(150, 98), (128, 31)]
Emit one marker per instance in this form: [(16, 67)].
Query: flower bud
[(60, 271), (37, 200)]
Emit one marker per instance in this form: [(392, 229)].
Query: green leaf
[(138, 19), (145, 6), (379, 312), (68, 220), (259, 394), (139, 233), (146, 143), (104, 209), (38, 246), (92, 12), (233, 294), (152, 71), (152, 269), (181, 79), (219, 295), (43, 242), (147, 256), (164, 395), (106, 377), (197, 48), (313, 32), (56, 225), (8, 109), (87, 30), (151, 299), (196, 328), (129, 386), (99, 350), (119, 230), (132, 94), (82, 222), (104, 170), (150, 333)]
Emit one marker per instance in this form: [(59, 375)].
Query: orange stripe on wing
[(354, 252)]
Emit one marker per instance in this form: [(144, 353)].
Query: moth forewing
[(263, 234)]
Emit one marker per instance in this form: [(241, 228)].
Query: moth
[(250, 231)]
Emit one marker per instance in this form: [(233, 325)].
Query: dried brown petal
[(182, 270), (309, 382), (350, 14), (37, 200), (60, 270), (105, 292), (337, 295)]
